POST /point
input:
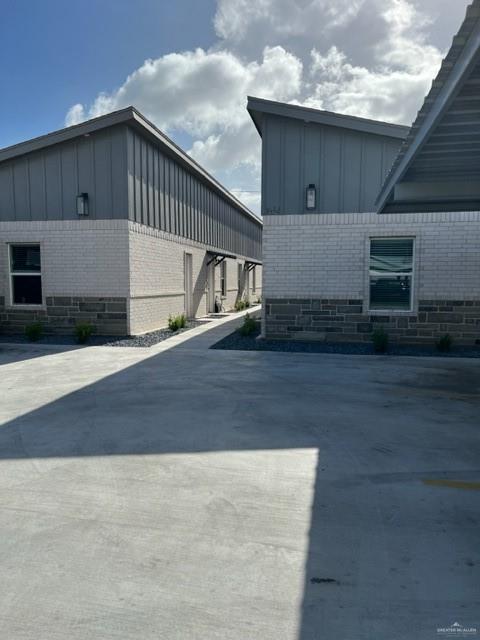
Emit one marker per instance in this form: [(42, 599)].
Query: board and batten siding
[(44, 184), (163, 194), (347, 167), (126, 176)]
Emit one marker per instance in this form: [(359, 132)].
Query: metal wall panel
[(43, 185), (347, 167), (168, 196), (7, 201), (36, 187), (21, 189), (125, 175), (53, 184)]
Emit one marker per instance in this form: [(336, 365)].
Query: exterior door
[(188, 285), (211, 287)]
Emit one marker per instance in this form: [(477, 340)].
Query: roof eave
[(190, 163), (129, 116), (257, 118), (257, 106), (468, 59), (68, 133)]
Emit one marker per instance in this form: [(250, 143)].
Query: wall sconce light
[(311, 197), (82, 204)]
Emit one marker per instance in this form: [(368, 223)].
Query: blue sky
[(54, 53), (188, 65)]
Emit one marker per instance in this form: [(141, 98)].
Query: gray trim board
[(259, 106)]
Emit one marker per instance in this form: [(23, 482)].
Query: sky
[(188, 65)]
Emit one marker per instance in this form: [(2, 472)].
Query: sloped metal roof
[(134, 118), (444, 140), (258, 106)]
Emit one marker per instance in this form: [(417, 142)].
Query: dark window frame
[(15, 273), (406, 274)]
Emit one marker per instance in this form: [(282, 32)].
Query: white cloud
[(390, 90), (235, 19), (364, 57), (250, 198), (75, 114), (200, 91)]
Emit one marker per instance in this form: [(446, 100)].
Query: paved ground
[(191, 494)]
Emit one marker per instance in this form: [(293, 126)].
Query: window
[(254, 280), (223, 278), (239, 277), (25, 273), (391, 271)]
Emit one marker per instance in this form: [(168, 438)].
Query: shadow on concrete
[(12, 353), (365, 574)]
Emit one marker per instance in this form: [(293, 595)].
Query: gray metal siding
[(347, 167), (125, 175), (165, 195), (43, 184)]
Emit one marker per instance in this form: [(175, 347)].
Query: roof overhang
[(218, 256), (444, 141), (432, 205), (133, 118), (258, 108)]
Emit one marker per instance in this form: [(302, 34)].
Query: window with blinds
[(25, 274), (391, 272)]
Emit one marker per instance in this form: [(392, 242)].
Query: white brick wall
[(157, 286), (326, 255), (79, 257), (118, 258)]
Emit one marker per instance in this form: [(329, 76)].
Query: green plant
[(241, 304), (177, 322), (444, 343), (380, 340), (34, 331), (249, 325), (83, 331)]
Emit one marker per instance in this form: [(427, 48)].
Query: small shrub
[(444, 343), (34, 331), (83, 331), (239, 305), (258, 300), (177, 322), (249, 326), (380, 340)]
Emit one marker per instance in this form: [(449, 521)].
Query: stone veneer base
[(338, 320), (60, 315)]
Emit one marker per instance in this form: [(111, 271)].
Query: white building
[(110, 222), (369, 224)]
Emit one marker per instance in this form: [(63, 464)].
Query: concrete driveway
[(192, 494)]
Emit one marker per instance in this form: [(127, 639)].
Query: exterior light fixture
[(82, 204), (311, 197)]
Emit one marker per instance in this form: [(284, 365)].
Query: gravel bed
[(237, 342), (146, 340)]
